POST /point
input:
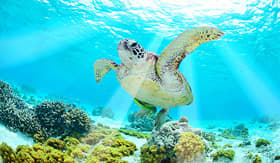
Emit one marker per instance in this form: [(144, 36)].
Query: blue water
[(51, 45)]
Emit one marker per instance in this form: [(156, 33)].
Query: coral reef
[(44, 120), (262, 142), (142, 120), (14, 113), (7, 154), (53, 150), (223, 154), (134, 133), (189, 148), (111, 149), (151, 154), (104, 112), (58, 119), (168, 136)]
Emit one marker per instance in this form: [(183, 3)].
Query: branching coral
[(59, 119), (46, 119), (189, 147)]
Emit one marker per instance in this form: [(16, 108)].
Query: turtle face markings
[(131, 52)]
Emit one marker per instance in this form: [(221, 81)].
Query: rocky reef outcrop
[(168, 136), (103, 111), (142, 120), (48, 118)]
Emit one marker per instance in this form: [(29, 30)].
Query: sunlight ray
[(253, 82)]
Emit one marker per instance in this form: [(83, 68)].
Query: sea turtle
[(155, 80)]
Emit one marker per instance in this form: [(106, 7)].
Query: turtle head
[(131, 52)]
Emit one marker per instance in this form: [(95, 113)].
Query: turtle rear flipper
[(102, 67), (146, 106)]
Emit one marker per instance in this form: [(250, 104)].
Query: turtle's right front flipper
[(102, 67)]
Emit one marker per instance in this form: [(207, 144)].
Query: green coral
[(223, 153), (189, 147), (134, 133), (227, 146), (263, 142), (277, 157), (257, 159), (152, 154), (7, 154)]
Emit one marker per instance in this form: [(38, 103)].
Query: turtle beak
[(123, 44)]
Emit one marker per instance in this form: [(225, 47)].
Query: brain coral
[(189, 147)]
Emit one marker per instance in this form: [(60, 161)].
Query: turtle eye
[(133, 44)]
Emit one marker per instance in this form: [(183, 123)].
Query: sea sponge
[(189, 147), (7, 154), (229, 154), (262, 142)]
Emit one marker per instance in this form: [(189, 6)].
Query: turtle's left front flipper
[(185, 43), (102, 67)]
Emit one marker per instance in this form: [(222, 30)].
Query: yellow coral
[(7, 154), (153, 154), (56, 143), (189, 147), (112, 149)]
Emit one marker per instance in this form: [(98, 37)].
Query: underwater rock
[(169, 133), (104, 112), (240, 130), (142, 120)]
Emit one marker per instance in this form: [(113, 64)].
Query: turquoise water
[(51, 46), (47, 52)]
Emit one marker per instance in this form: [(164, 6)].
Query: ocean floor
[(243, 147)]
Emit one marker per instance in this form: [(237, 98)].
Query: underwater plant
[(190, 147), (134, 133)]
